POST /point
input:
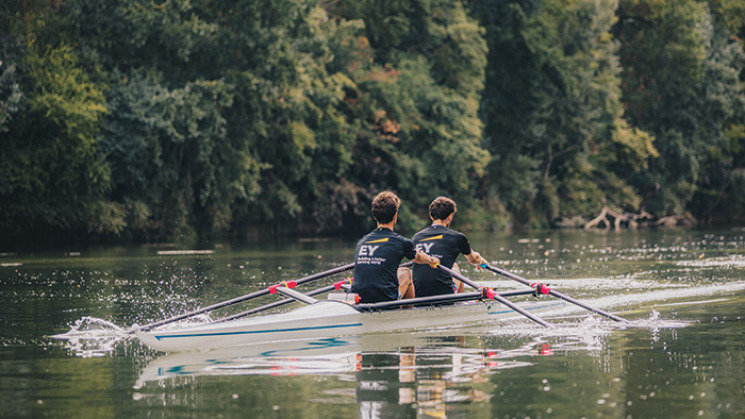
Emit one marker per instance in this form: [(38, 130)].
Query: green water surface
[(682, 356)]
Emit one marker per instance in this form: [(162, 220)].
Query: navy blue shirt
[(376, 261), (445, 244)]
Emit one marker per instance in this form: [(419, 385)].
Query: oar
[(436, 300), (490, 293), (299, 296), (335, 286), (546, 290), (270, 290)]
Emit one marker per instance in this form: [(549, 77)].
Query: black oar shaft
[(557, 294), (496, 297), (244, 298), (421, 301), (564, 297), (436, 300)]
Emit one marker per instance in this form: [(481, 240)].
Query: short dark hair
[(385, 206), (441, 208)]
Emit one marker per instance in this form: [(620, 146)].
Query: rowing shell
[(325, 319)]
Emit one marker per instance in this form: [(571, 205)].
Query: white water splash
[(92, 337), (655, 322), (90, 327)]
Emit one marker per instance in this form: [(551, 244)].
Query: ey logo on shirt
[(425, 247), (368, 250)]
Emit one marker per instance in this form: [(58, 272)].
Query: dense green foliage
[(152, 120)]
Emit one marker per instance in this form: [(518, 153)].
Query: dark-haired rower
[(440, 241), (377, 276)]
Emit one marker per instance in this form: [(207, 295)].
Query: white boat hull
[(328, 319)]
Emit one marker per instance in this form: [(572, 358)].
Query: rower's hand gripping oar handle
[(543, 289), (492, 295)]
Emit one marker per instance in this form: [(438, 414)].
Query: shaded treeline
[(151, 120)]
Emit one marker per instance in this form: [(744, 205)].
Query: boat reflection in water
[(395, 373), (321, 356)]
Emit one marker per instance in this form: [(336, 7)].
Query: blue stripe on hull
[(296, 329)]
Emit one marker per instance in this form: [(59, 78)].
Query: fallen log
[(616, 220)]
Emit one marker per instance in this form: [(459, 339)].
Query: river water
[(682, 355)]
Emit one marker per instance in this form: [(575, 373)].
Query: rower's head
[(442, 208), (385, 207)]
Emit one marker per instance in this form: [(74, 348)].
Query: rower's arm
[(425, 259), (475, 258)]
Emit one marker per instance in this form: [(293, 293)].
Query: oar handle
[(491, 294), (557, 294)]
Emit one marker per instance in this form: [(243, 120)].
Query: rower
[(378, 254), (440, 241)]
